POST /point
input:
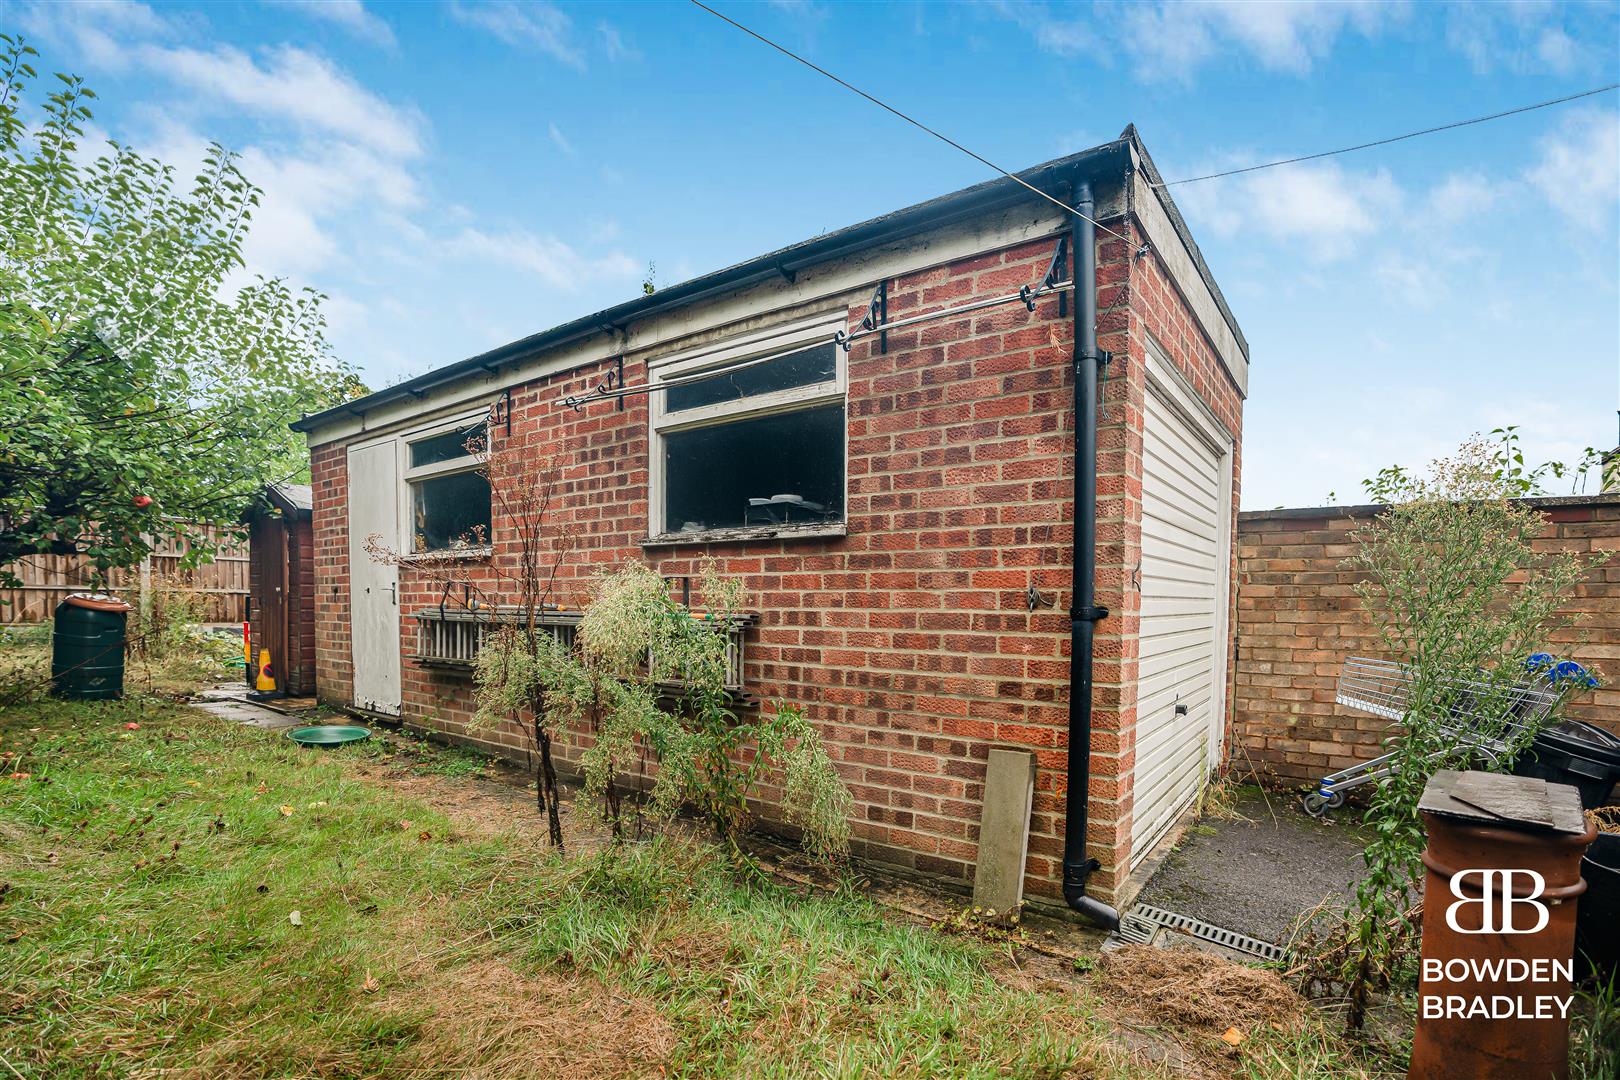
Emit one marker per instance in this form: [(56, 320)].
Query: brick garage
[(905, 629), (1299, 617)]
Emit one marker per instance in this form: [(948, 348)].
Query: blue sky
[(456, 175)]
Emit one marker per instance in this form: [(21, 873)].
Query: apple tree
[(146, 379)]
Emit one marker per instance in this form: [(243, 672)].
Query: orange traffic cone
[(266, 683)]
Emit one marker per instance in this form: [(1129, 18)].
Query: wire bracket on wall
[(501, 411), (876, 318), (1034, 598), (1054, 274), (614, 380)]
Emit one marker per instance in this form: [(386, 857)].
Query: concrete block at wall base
[(1009, 792)]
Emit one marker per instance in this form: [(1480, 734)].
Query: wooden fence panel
[(222, 583)]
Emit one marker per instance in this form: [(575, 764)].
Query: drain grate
[(1132, 931), (1138, 926)]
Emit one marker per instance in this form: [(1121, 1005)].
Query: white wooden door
[(1184, 576), (373, 585)]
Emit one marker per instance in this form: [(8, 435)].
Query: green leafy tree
[(1459, 595), (142, 386)]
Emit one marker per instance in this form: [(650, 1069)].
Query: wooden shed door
[(374, 586), (1186, 508)]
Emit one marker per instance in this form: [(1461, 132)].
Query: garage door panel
[(1172, 632), (1173, 554), (1183, 596), (1172, 523)]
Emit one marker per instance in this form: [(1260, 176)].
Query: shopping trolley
[(1382, 688)]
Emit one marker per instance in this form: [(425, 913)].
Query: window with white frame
[(759, 445), (449, 494)]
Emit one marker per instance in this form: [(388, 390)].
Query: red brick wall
[(301, 605), (909, 642), (1299, 617), (334, 660)]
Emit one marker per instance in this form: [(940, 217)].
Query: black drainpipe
[(1084, 613)]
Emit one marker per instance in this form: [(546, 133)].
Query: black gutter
[(783, 264), (1084, 612)]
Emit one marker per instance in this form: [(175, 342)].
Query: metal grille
[(1141, 924), (452, 638)]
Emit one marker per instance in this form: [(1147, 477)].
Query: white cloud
[(1578, 168), (562, 142), (1461, 196), (1528, 36), (305, 193), (1061, 35), (1172, 39), (1321, 207), (294, 86), (1411, 280), (550, 259), (539, 25), (804, 9), (614, 45), (100, 29), (350, 15)]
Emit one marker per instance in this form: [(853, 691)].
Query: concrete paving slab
[(243, 712), (1009, 788), (1259, 873)]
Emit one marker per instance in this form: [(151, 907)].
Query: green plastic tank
[(87, 647)]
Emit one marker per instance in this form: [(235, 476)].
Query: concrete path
[(1259, 873), (227, 702)]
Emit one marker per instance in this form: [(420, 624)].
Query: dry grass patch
[(1187, 987), (485, 1019)]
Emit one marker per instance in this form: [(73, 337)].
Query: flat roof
[(1052, 178)]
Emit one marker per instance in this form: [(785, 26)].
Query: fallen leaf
[(371, 985), (424, 836), (286, 811), (404, 826), (194, 783), (315, 805), (132, 726), (1232, 1036), (296, 918)]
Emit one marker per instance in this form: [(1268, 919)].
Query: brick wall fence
[(909, 642), (1299, 617)]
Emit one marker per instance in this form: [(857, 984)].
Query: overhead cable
[(910, 120), (1394, 138)]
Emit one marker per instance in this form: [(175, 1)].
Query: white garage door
[(1184, 575)]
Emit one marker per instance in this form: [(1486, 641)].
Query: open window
[(449, 493), (758, 446)]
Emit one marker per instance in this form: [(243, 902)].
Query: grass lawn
[(194, 898)]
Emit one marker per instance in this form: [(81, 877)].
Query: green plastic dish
[(328, 735)]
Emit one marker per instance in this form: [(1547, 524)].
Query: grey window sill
[(746, 535), (449, 555)]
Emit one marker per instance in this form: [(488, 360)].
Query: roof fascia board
[(1187, 271), (787, 263), (829, 286)]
